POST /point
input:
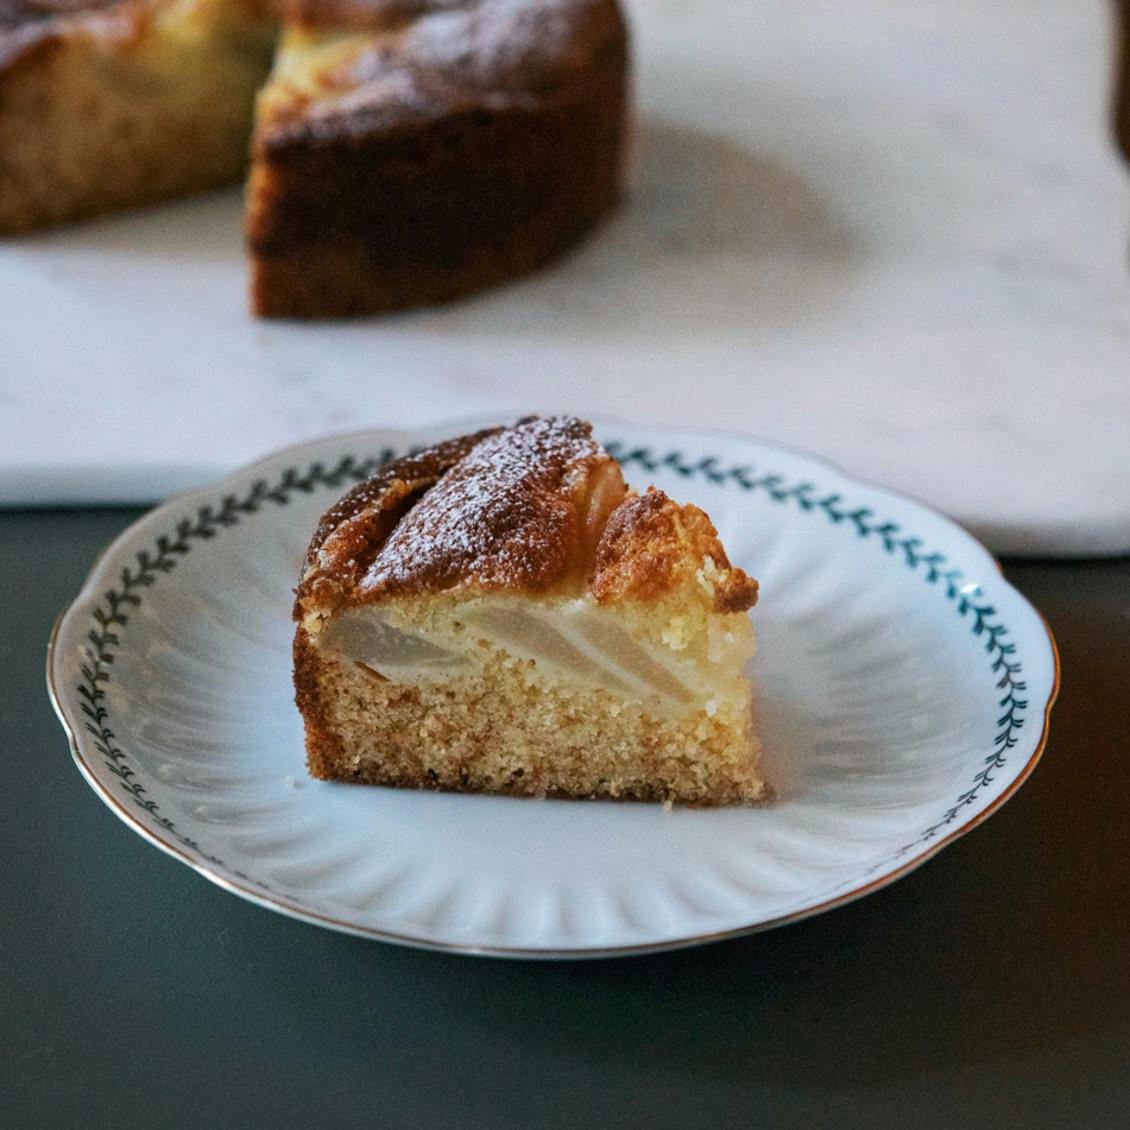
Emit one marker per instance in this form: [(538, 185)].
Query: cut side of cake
[(501, 614), (413, 151), (109, 104)]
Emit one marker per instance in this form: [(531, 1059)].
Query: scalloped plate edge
[(310, 917)]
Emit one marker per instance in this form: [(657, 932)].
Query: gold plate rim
[(303, 914)]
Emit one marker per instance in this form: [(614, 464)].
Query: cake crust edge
[(638, 551)]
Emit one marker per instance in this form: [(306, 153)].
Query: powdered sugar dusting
[(423, 468), (504, 516)]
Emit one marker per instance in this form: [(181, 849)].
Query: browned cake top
[(413, 60), (508, 514), (652, 544), (29, 24), (356, 526), (26, 23), (28, 13), (534, 508)]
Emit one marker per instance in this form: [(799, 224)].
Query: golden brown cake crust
[(501, 509), (26, 24), (354, 530), (29, 24), (435, 58), (508, 515), (422, 468), (646, 547), (530, 508)]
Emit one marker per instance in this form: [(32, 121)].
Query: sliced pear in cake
[(499, 613)]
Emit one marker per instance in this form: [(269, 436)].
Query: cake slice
[(106, 104), (413, 151), (499, 613)]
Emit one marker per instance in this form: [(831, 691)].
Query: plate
[(902, 693)]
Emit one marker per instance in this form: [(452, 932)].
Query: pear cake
[(500, 613), (401, 152)]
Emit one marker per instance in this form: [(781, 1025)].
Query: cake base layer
[(507, 729)]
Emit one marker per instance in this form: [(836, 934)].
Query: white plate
[(903, 693)]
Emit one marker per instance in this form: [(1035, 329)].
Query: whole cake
[(404, 151), (499, 613)]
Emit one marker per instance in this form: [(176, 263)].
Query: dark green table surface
[(990, 988)]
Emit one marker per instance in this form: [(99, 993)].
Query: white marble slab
[(893, 232)]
